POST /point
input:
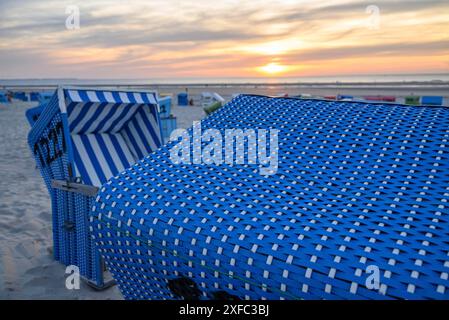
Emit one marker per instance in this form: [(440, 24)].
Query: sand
[(27, 268)]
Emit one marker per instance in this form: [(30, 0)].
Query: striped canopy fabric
[(110, 130), (362, 190)]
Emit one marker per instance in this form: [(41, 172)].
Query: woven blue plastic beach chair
[(80, 139), (361, 189)]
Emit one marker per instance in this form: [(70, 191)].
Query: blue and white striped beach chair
[(358, 209), (34, 113), (45, 96), (80, 139)]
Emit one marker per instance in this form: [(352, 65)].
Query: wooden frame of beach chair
[(82, 138)]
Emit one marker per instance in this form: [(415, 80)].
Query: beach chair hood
[(106, 131), (360, 187)]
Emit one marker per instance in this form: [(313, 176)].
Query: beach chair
[(164, 106), (212, 108), (168, 121), (45, 96), (80, 139), (372, 98), (389, 98), (3, 98), (183, 99), (168, 125), (380, 98), (432, 100), (345, 97), (35, 96), (210, 98), (358, 209), (33, 114)]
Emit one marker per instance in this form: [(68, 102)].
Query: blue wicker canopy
[(359, 186)]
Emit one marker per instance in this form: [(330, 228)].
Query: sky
[(138, 39)]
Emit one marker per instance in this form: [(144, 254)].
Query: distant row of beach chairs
[(41, 97), (409, 100)]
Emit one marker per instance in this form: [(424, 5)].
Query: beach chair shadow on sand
[(80, 139)]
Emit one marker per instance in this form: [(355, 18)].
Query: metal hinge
[(84, 189)]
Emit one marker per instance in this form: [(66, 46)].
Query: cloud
[(399, 49), (177, 35)]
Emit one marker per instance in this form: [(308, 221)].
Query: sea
[(425, 79)]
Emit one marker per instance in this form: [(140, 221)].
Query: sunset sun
[(272, 68)]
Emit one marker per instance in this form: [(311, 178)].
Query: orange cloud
[(224, 39)]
